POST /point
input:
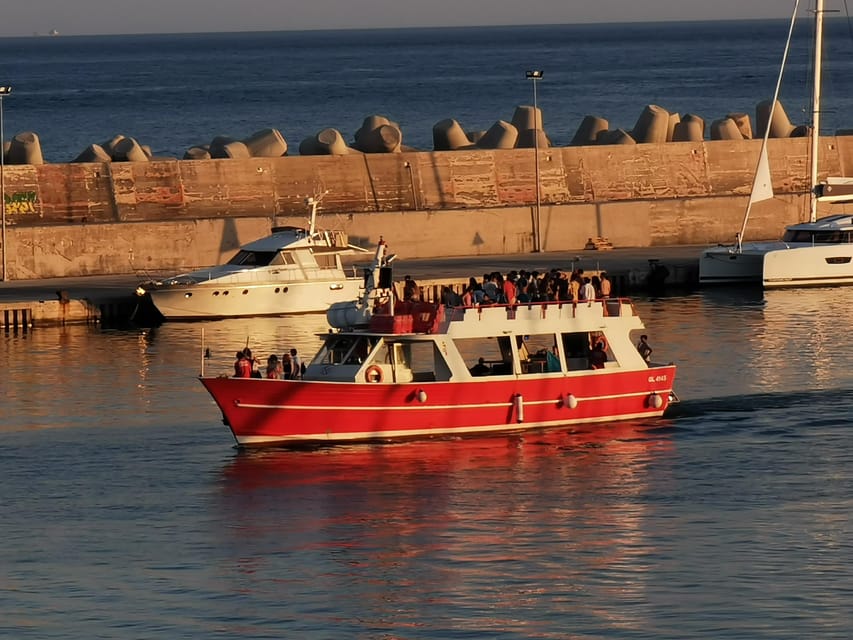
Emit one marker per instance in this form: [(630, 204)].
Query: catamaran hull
[(211, 300), (269, 412), (811, 266), (724, 266)]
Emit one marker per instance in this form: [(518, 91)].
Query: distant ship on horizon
[(53, 32)]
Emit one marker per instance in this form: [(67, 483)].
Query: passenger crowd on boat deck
[(288, 367), (523, 286)]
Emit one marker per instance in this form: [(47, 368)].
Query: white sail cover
[(762, 187)]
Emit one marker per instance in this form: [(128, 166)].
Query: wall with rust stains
[(87, 219)]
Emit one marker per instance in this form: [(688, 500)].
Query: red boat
[(392, 370)]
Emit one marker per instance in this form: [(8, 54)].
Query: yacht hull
[(233, 300), (817, 265)]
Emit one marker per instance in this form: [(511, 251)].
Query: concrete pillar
[(725, 129), (129, 150), (781, 126), (526, 117), (197, 153), (674, 119), (93, 153), (266, 143), (328, 142), (25, 148), (744, 124), (527, 139), (652, 125), (690, 131), (109, 145), (236, 149), (386, 138), (217, 146), (616, 136), (501, 135), (367, 140), (588, 131), (448, 134)]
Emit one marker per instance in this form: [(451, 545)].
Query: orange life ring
[(373, 374)]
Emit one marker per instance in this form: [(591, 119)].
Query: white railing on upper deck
[(609, 307)]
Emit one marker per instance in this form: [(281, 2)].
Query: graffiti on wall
[(20, 202)]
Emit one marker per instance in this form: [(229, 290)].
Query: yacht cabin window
[(253, 258)]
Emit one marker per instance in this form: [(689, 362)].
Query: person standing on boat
[(410, 290), (587, 290), (605, 285), (274, 371), (242, 366), (295, 365), (644, 348), (598, 356), (252, 363)]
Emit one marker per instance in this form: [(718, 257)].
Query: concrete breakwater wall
[(112, 218)]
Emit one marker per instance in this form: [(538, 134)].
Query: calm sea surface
[(175, 91), (128, 513)]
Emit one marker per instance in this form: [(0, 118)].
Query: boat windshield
[(817, 237), (345, 349), (253, 258)]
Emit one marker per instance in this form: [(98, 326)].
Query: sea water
[(128, 513)]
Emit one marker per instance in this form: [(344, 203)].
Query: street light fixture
[(5, 90), (535, 76)]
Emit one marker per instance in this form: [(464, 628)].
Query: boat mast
[(762, 186), (815, 140), (313, 202)]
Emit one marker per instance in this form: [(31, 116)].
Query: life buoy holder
[(373, 374)]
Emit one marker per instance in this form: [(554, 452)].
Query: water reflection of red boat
[(394, 370), (629, 442)]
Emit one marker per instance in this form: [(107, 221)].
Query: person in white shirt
[(587, 290)]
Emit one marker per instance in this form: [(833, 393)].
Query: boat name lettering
[(657, 378)]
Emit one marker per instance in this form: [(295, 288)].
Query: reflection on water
[(742, 341), (370, 516)]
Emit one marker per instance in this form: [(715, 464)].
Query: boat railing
[(608, 307)]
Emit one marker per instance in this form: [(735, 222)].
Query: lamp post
[(5, 90), (534, 76)]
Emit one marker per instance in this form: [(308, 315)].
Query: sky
[(90, 17)]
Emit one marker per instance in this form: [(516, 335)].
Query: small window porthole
[(284, 290), (277, 289), (188, 294), (215, 293), (224, 293), (245, 291)]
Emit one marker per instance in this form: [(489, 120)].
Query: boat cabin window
[(424, 360), (538, 353), (578, 346), (343, 349), (326, 260), (495, 352), (835, 236), (253, 258), (283, 258)]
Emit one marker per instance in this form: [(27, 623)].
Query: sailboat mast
[(815, 139)]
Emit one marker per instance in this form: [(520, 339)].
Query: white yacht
[(293, 270), (813, 253)]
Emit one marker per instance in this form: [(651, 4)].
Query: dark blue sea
[(126, 512), (175, 91)]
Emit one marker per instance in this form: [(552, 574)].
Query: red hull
[(282, 411)]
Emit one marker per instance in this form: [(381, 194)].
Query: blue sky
[(84, 17)]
